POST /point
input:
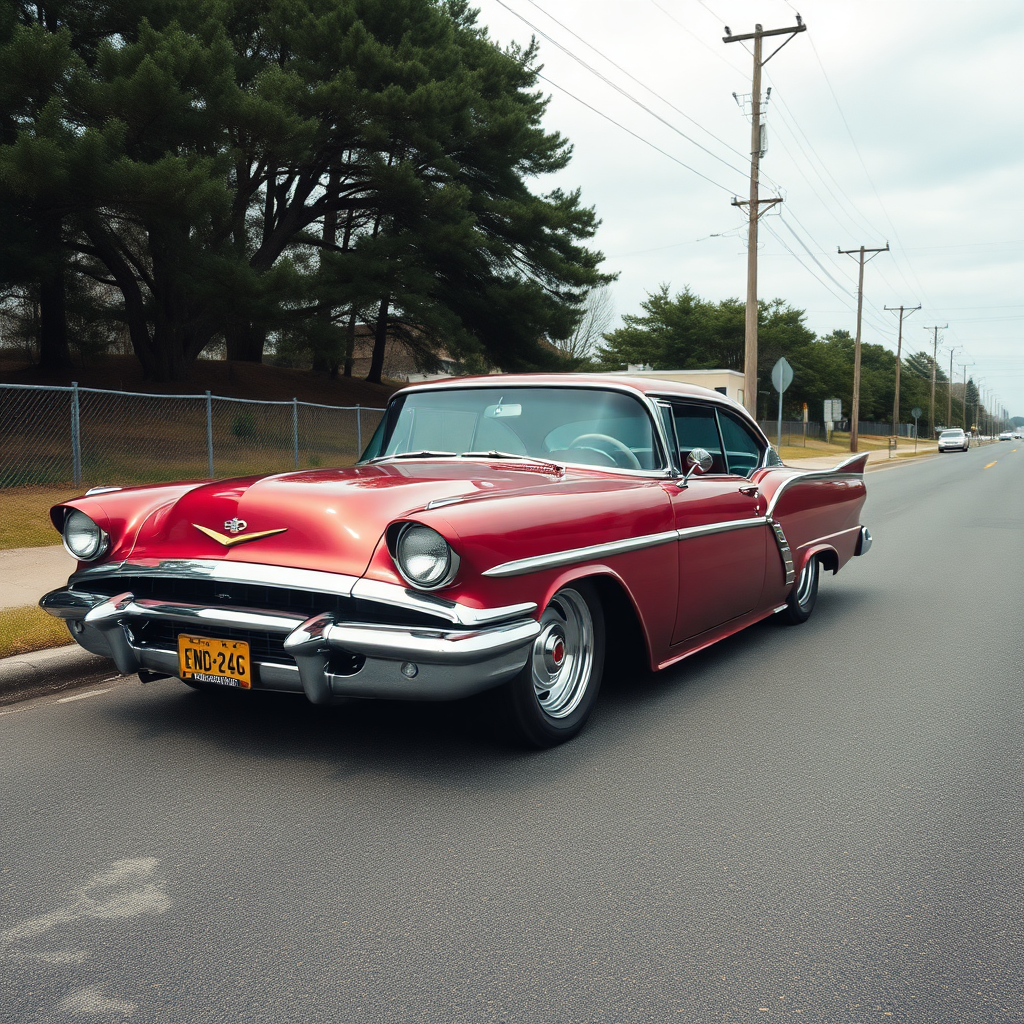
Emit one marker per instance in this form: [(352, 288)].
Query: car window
[(743, 450), (696, 427), (588, 426)]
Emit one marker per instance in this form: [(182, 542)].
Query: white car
[(954, 439), (1006, 435)]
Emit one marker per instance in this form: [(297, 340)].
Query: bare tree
[(598, 313)]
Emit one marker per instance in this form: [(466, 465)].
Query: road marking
[(991, 464), (81, 696)]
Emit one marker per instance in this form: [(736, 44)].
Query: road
[(817, 823)]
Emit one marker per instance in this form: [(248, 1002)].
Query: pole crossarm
[(766, 203), (760, 33)]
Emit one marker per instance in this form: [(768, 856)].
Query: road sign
[(833, 410), (916, 412), (782, 375)]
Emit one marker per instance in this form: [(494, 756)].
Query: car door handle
[(750, 490)]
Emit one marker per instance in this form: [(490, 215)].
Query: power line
[(642, 85), (618, 88), (629, 131)]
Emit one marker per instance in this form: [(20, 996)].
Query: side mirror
[(698, 462)]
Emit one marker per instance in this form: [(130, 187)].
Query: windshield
[(952, 433), (587, 426)]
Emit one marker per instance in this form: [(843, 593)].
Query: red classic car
[(498, 532)]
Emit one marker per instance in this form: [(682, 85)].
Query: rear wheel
[(800, 602), (553, 695)]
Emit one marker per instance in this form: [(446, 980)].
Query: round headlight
[(83, 538), (424, 557)]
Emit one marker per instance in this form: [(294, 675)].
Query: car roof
[(643, 385)]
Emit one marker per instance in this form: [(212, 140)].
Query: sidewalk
[(28, 573)]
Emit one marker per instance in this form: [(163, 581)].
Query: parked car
[(501, 533), (954, 439)]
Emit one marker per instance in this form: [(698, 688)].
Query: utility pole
[(855, 411), (935, 356), (904, 311), (754, 204), (966, 430), (949, 390)]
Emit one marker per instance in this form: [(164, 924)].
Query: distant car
[(1006, 435), (954, 440), (1018, 436), (496, 533)]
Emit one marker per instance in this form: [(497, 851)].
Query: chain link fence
[(84, 437)]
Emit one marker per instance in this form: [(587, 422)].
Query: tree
[(595, 319), (245, 169)]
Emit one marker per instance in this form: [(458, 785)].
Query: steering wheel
[(620, 453)]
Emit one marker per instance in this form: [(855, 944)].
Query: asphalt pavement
[(823, 822)]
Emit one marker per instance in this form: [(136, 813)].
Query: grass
[(840, 447), (25, 516), (23, 630)]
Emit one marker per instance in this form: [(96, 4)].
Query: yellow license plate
[(221, 662)]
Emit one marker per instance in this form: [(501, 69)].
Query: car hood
[(330, 520)]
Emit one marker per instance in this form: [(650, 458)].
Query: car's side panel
[(817, 512), (721, 574)]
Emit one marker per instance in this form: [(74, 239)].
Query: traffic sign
[(782, 375)]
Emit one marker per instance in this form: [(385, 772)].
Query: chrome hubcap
[(562, 659)]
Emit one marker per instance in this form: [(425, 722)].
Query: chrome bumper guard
[(396, 662), (863, 542)]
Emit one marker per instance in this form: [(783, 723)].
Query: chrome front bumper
[(397, 662)]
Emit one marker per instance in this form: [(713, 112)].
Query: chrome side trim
[(711, 528), (101, 490), (784, 551), (521, 566)]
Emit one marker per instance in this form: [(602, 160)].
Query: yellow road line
[(991, 464)]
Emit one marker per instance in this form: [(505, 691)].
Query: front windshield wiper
[(425, 454), (510, 455)]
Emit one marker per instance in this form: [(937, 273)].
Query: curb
[(24, 676)]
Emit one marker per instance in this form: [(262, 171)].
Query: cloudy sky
[(895, 121)]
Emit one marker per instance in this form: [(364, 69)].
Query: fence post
[(295, 430), (209, 432), (76, 435), (359, 433)]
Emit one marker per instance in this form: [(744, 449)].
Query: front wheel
[(800, 602), (551, 698)]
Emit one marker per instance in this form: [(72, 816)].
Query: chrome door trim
[(688, 532), (521, 566)]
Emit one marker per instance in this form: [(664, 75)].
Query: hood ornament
[(236, 526)]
